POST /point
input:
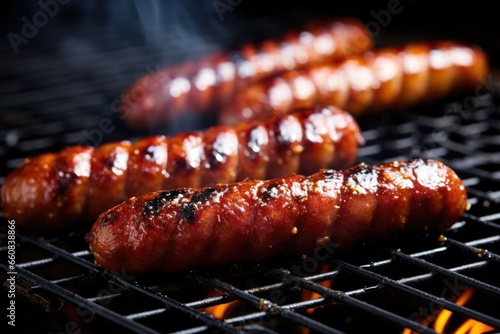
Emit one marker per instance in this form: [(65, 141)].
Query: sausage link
[(158, 98), (380, 80), (79, 183), (255, 220)]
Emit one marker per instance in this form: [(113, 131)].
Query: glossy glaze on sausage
[(386, 79), (78, 183), (188, 228), (158, 98)]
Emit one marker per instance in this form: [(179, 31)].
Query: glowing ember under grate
[(444, 320)]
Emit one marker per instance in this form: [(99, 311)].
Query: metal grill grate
[(391, 285)]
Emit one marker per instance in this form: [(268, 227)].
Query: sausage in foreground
[(78, 183), (255, 220), (388, 79)]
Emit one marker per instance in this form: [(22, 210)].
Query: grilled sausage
[(254, 220), (157, 98), (79, 183), (385, 79)]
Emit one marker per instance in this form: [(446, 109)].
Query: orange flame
[(469, 326), (222, 311), (308, 294)]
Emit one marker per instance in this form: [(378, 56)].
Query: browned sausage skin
[(158, 98), (186, 228), (79, 183), (380, 80)]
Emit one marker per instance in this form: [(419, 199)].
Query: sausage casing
[(381, 80), (79, 183), (162, 97), (254, 220)]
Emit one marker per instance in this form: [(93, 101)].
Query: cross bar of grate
[(212, 301), (49, 286), (345, 299), (411, 291), (448, 273), (266, 305), (481, 220), (169, 303), (468, 247), (41, 262)]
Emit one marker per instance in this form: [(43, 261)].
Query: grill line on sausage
[(254, 220), (78, 183), (388, 79), (156, 99)]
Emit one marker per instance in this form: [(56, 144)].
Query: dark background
[(474, 21)]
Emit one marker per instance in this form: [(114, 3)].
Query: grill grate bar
[(479, 252), (479, 157), (212, 301), (235, 320), (37, 263), (212, 322), (426, 277), (196, 304), (61, 281), (481, 220), (61, 253), (491, 256), (103, 298), (128, 286), (477, 242), (47, 285), (411, 291), (266, 305), (450, 273), (141, 315), (494, 216), (72, 256), (416, 279), (169, 303), (342, 297), (433, 251)]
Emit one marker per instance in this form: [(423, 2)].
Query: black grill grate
[(387, 284), (52, 98)]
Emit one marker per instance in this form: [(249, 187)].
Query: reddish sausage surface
[(381, 80), (158, 98), (78, 183), (186, 228)]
